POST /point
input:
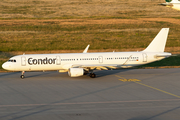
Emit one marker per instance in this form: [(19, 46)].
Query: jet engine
[(75, 72)]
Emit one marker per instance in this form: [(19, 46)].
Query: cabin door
[(144, 57), (23, 61), (100, 59), (58, 60)]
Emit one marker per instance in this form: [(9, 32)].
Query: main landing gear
[(92, 75), (90, 72), (22, 75)]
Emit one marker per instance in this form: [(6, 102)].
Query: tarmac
[(126, 94)]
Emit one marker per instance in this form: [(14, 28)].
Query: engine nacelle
[(75, 72)]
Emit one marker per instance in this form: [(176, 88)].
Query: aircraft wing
[(103, 66), (86, 49), (97, 66)]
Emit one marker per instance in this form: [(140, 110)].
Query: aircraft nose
[(5, 66)]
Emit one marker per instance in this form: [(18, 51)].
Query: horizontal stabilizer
[(163, 55)]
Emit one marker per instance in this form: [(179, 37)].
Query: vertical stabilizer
[(159, 42)]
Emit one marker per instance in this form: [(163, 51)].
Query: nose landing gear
[(22, 75)]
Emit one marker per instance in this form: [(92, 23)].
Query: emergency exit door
[(100, 59)]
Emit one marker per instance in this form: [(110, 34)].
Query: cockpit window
[(11, 60)]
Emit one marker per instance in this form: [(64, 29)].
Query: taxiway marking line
[(120, 77), (127, 80), (84, 103), (149, 87), (158, 89)]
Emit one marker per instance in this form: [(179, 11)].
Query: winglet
[(159, 42), (86, 49)]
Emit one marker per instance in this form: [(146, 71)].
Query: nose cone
[(6, 66)]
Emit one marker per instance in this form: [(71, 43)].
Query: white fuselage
[(43, 62)]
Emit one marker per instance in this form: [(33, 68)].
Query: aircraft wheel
[(22, 76), (92, 75)]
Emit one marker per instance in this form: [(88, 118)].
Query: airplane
[(78, 64), (175, 4)]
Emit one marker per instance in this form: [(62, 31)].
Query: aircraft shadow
[(104, 73)]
